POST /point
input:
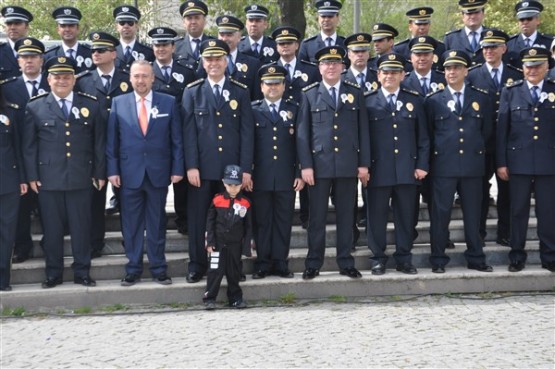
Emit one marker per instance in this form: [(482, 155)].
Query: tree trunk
[(292, 14)]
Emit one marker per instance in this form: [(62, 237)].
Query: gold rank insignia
[(233, 104), (436, 58), (409, 106), (123, 86), (27, 42), (374, 85), (350, 98), (290, 114), (85, 112), (475, 106), (551, 97), (244, 68), (304, 77), (441, 86), (509, 82)]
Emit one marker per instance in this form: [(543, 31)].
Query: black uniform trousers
[(9, 205), (98, 226), (144, 207), (180, 204), (229, 265), (273, 215), (402, 201), (199, 201), (23, 240), (345, 190), (74, 208), (521, 187), (503, 209), (443, 191)]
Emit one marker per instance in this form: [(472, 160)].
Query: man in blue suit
[(144, 152)]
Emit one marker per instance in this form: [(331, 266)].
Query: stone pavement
[(464, 331)]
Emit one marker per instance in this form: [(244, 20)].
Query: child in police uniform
[(228, 235)]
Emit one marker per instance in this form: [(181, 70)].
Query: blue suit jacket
[(159, 153)]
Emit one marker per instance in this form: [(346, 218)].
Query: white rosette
[(225, 94), (79, 60), (236, 208), (399, 105), (433, 86), (41, 91), (178, 77), (268, 51), (283, 115), (543, 96), (451, 105), (343, 98), (154, 112), (297, 74), (4, 119), (135, 54), (75, 112)]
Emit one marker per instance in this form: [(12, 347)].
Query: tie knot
[(391, 96), (128, 48), (106, 76), (34, 83), (273, 106), (196, 40), (63, 101), (255, 45), (495, 70), (423, 79), (457, 94)]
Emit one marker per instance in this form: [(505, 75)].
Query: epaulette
[(310, 38), (401, 42), (412, 92), (86, 46), (309, 63), (370, 92), (353, 84), (515, 83), (435, 92), (256, 102), (83, 73), (13, 106), (55, 47), (291, 101), (514, 68), (407, 74), (452, 31), (309, 87), (514, 36), (9, 79), (87, 95), (194, 83), (550, 80), (475, 66), (479, 90), (242, 85), (38, 96), (243, 37)]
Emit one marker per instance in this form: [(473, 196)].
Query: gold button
[(275, 129), (461, 140), (395, 138), (68, 154), (336, 114), (395, 126), (392, 114), (336, 149), (461, 129), (220, 137), (335, 126), (217, 113), (461, 151), (275, 157), (275, 147), (67, 124), (536, 128), (460, 118), (220, 125), (396, 151), (108, 97), (67, 133), (535, 109), (536, 119), (220, 149), (275, 138), (68, 144), (535, 137), (335, 138)]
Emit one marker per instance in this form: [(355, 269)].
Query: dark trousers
[(345, 189), (486, 186), (503, 209), (470, 191), (229, 266), (180, 203), (273, 215), (402, 197), (521, 187), (144, 207), (98, 226), (9, 206), (199, 201), (303, 204), (73, 208), (23, 238)]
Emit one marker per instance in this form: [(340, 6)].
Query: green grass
[(17, 311), (288, 298), (83, 310), (337, 298)]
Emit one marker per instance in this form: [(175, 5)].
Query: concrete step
[(112, 267), (328, 285), (176, 242)]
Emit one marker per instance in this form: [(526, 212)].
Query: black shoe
[(450, 245), (406, 268), (502, 241), (239, 304), (480, 267), (259, 274), (516, 266), (378, 269), (285, 274), (438, 269), (362, 222), (16, 259), (209, 305), (6, 288), (95, 254), (311, 273), (86, 281), (51, 282), (112, 210), (243, 277), (351, 272), (549, 266), (162, 278), (130, 279), (194, 277)]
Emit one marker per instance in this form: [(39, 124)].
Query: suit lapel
[(325, 95), (207, 91), (55, 107)]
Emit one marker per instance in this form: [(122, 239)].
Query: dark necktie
[(64, 108), (274, 112), (166, 73), (391, 103), (329, 41), (361, 80), (196, 52), (217, 94), (494, 77), (255, 49), (474, 43), (535, 94), (70, 53), (107, 85), (527, 42), (424, 85), (128, 55), (34, 91), (458, 105), (333, 97), (288, 68), (230, 68)]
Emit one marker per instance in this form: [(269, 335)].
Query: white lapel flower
[(343, 98), (297, 74), (399, 105), (543, 96), (283, 115), (154, 112), (75, 112), (225, 94), (433, 86), (268, 51), (451, 105), (79, 60)]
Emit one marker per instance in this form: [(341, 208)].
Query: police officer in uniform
[(461, 122), (333, 147), (218, 131), (16, 26), (383, 36), (67, 19), (105, 82), (276, 174), (468, 37), (187, 48), (255, 44), (400, 148), (358, 52), (328, 20), (529, 18), (64, 155), (129, 48), (12, 183), (19, 90), (525, 147), (420, 20), (171, 78), (492, 76)]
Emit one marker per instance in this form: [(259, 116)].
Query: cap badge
[(9, 10), (254, 7), (96, 36), (61, 59), (391, 57), (27, 42), (525, 4), (67, 11), (376, 27), (453, 53), (211, 43), (422, 12), (327, 3), (422, 39), (225, 20), (285, 32), (333, 51), (360, 38), (489, 33), (159, 31), (272, 70), (190, 4), (533, 52), (471, 1), (125, 9)]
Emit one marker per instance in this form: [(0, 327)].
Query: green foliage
[(115, 307), (337, 298), (83, 310), (17, 311), (288, 298)]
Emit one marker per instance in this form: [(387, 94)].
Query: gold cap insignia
[(421, 39), (333, 51), (190, 3), (27, 42), (61, 59), (422, 12), (96, 36), (360, 38), (285, 32), (533, 52), (453, 53), (225, 20), (391, 57), (272, 70), (489, 33), (376, 27), (211, 43)]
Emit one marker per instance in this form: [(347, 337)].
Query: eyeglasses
[(129, 23), (101, 51)]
